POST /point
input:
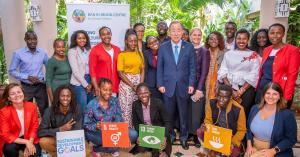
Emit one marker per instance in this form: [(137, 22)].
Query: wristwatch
[(277, 150)]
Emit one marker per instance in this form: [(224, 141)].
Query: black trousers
[(12, 150), (181, 105), (196, 114), (38, 92), (248, 99)]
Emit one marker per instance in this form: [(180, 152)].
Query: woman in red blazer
[(103, 61), (280, 64), (19, 124)]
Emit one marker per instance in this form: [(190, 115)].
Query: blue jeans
[(96, 138), (82, 97)]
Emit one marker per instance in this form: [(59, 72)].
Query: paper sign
[(217, 139), (151, 136), (115, 134), (70, 143)]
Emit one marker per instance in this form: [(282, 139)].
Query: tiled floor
[(177, 151), (192, 152)]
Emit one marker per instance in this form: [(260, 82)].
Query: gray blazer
[(78, 67)]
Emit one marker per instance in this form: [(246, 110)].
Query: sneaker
[(116, 153)]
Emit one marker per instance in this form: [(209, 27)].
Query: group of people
[(171, 80)]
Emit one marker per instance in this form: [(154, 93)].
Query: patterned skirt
[(127, 96)]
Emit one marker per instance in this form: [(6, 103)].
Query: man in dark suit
[(151, 111), (176, 77)]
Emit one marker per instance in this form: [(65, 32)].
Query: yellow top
[(130, 62)]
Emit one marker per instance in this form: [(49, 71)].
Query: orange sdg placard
[(115, 134), (217, 139)]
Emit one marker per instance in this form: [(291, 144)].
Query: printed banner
[(92, 16), (70, 143), (151, 136), (217, 139), (115, 134)]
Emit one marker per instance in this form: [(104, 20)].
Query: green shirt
[(58, 73)]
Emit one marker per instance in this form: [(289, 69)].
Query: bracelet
[(277, 150)]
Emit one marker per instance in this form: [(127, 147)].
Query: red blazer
[(285, 68), (100, 65), (11, 126)]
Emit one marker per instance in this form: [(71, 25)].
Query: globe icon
[(78, 15)]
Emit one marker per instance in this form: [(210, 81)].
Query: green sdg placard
[(151, 136)]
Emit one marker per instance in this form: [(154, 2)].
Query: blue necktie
[(176, 54)]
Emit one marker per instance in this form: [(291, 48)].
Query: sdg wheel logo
[(78, 15)]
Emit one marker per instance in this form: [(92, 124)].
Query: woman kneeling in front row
[(104, 108), (63, 115), (272, 129), (19, 123)]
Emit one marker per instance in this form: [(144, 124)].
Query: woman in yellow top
[(131, 72)]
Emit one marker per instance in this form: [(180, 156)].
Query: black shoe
[(155, 153), (196, 141), (134, 150), (184, 145)]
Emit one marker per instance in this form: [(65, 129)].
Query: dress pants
[(37, 91), (248, 100), (196, 114), (12, 149), (181, 104)]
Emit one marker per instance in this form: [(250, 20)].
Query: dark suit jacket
[(202, 67), (157, 114), (284, 134), (150, 70), (171, 75)]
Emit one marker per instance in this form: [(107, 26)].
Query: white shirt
[(240, 67), (85, 56), (178, 44), (230, 46), (111, 53), (21, 119), (274, 52)]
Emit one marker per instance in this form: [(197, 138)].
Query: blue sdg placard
[(70, 144)]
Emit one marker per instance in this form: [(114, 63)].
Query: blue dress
[(266, 77)]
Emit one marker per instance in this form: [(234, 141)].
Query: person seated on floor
[(150, 111), (103, 108), (19, 123), (63, 115), (226, 113), (272, 128)]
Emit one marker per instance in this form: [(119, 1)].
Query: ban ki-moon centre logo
[(78, 15)]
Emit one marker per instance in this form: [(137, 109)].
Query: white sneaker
[(116, 153)]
